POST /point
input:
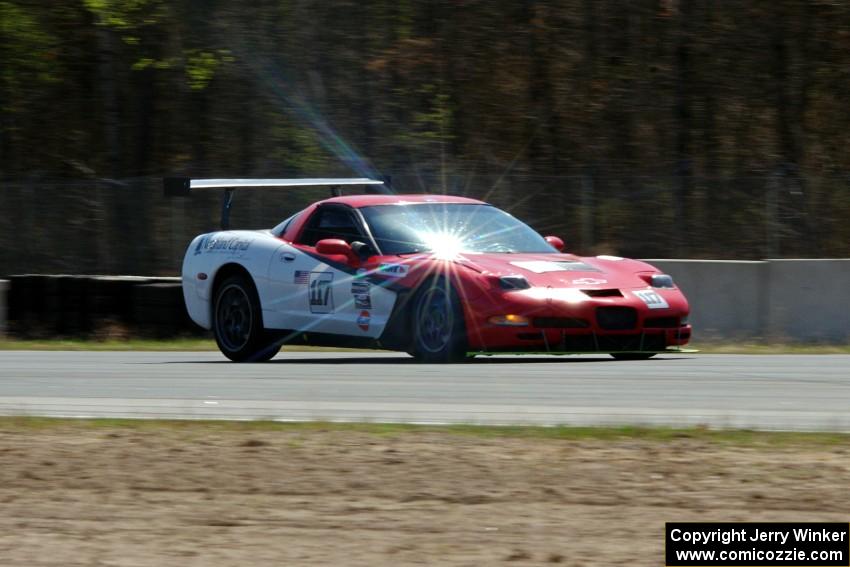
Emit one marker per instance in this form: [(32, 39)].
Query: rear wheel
[(238, 322), (632, 355), (439, 331)]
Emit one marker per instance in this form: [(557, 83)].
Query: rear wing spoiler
[(183, 187)]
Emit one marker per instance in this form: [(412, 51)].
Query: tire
[(238, 322), (632, 355), (439, 330)]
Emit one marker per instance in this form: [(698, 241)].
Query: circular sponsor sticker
[(363, 320)]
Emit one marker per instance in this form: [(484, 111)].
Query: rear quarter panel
[(208, 253)]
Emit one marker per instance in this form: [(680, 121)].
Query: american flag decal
[(301, 277)]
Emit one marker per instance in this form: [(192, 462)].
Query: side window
[(330, 222), (281, 229)]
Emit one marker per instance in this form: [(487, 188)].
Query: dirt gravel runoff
[(212, 495)]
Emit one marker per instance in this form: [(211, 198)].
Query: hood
[(563, 270)]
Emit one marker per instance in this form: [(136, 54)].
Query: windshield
[(450, 228)]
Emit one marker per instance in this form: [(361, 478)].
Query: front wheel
[(238, 322), (632, 355), (439, 331)]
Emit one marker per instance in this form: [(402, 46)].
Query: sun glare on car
[(444, 245)]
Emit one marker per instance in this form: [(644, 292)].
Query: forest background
[(647, 128)]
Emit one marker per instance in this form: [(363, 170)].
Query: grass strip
[(566, 433)]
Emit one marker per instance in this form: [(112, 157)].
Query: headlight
[(661, 280), (511, 283), (509, 320)]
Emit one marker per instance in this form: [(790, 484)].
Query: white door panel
[(307, 294)]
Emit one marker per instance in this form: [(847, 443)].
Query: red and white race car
[(440, 277)]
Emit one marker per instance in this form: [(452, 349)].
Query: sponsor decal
[(652, 299), (360, 287), (363, 320), (301, 277), (393, 270), (222, 244), (321, 292), (589, 281), (543, 266), (360, 291), (201, 244)]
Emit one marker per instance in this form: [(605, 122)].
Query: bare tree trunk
[(684, 165), (106, 79), (790, 118), (590, 176)]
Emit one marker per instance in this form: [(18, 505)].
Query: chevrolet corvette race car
[(440, 277)]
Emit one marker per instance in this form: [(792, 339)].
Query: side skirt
[(671, 350), (325, 339)]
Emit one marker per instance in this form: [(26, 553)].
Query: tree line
[(651, 127)]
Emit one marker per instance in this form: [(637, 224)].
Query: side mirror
[(555, 242), (333, 247), (362, 249)]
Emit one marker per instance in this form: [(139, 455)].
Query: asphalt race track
[(787, 392)]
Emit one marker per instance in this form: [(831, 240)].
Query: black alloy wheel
[(439, 331), (238, 322)]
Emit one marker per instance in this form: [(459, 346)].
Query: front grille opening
[(662, 323), (530, 336), (616, 318), (560, 323), (602, 292)]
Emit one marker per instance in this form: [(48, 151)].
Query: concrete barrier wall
[(809, 300), (786, 300), (727, 298)]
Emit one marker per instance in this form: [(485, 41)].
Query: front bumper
[(611, 324)]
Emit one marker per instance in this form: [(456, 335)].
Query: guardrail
[(784, 300), (99, 306), (4, 287)]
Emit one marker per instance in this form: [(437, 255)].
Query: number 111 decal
[(321, 292)]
